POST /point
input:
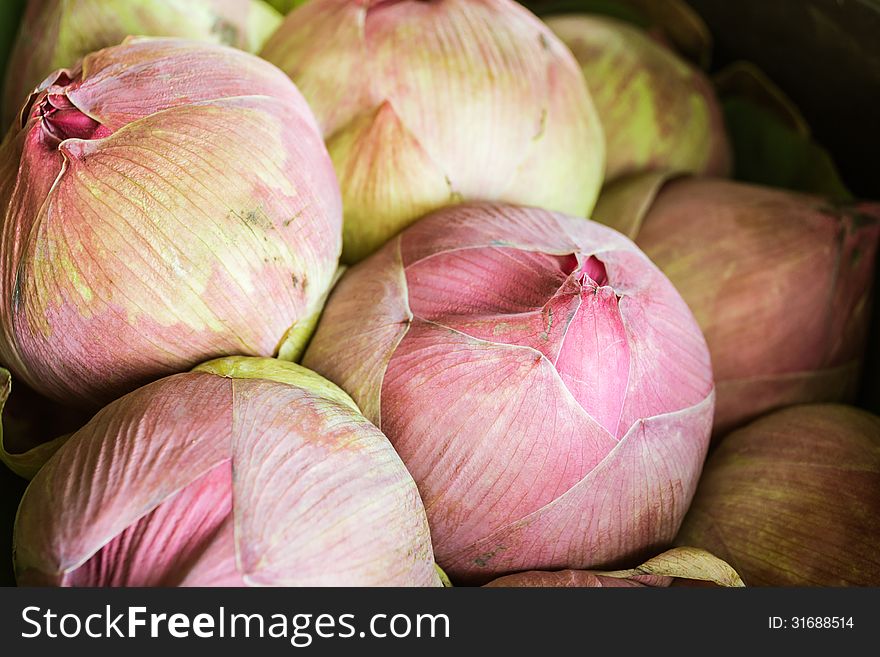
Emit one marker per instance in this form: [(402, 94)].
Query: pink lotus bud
[(779, 282), (683, 563), (427, 104), (246, 471), (57, 33), (657, 111), (793, 499), (164, 203), (542, 380)]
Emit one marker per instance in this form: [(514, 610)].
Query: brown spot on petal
[(542, 125), (483, 560), (254, 218), (542, 39), (289, 221), (301, 283)]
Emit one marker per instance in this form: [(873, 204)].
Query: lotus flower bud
[(246, 471), (793, 499), (426, 104), (542, 380), (779, 282), (681, 563), (57, 33), (164, 203), (658, 112)]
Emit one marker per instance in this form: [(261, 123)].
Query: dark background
[(825, 54)]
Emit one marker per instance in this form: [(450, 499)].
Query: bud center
[(61, 119)]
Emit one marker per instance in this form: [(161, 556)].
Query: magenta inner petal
[(61, 119), (485, 281), (550, 303), (595, 271), (595, 358), (502, 295)]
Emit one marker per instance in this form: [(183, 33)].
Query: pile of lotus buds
[(420, 293)]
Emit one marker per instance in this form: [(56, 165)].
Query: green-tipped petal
[(683, 564), (272, 369)]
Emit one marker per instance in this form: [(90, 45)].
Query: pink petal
[(489, 281), (321, 498), (389, 180), (560, 579), (454, 51), (365, 319), (532, 442), (331, 71), (632, 502), (510, 296), (217, 564), (543, 178), (502, 295), (120, 467), (159, 549), (23, 156), (486, 225), (594, 362), (484, 421), (147, 75), (669, 364)]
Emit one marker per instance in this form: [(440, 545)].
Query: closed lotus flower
[(793, 499), (426, 104), (57, 33), (243, 472), (780, 283), (542, 380), (164, 203), (658, 112)]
